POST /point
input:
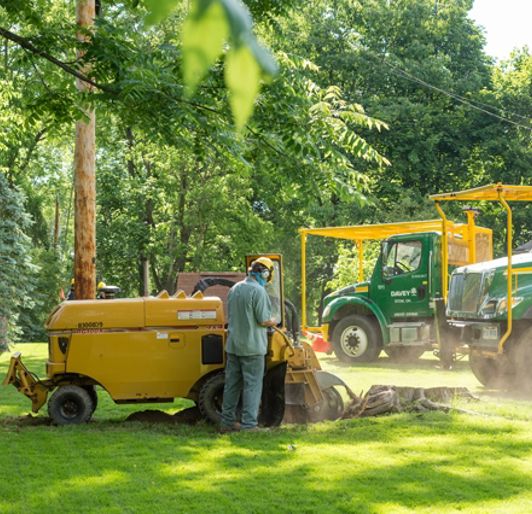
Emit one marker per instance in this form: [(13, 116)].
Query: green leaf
[(264, 58), (203, 39), (240, 23), (242, 76), (239, 19), (158, 10)]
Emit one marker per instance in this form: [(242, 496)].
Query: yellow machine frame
[(361, 233), (492, 193)]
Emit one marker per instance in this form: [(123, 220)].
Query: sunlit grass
[(429, 463)]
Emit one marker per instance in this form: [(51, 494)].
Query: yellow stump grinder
[(155, 349)]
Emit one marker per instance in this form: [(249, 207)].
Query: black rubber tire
[(404, 353), (521, 357), (94, 396), (70, 405), (356, 339), (210, 399), (492, 372), (331, 407)]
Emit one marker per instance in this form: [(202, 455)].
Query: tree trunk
[(3, 334), (85, 179)]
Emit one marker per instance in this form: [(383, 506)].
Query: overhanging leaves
[(209, 25), (242, 76)]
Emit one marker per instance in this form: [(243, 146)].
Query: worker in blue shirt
[(250, 313)]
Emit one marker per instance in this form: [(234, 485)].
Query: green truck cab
[(477, 306), (394, 310)]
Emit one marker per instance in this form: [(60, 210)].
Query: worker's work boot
[(255, 429), (223, 429)]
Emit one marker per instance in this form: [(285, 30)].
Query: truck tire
[(356, 339), (490, 371), (522, 362), (70, 405), (211, 398), (404, 353)]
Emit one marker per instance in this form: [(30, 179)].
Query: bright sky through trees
[(507, 24)]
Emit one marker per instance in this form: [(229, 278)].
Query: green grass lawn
[(431, 462)]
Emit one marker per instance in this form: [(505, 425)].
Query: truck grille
[(465, 292)]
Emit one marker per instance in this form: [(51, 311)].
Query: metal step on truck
[(490, 304), (400, 308)]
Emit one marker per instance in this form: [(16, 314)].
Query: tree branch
[(26, 44)]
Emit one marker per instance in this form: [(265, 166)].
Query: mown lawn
[(401, 463)]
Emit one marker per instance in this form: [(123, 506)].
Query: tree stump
[(386, 399)]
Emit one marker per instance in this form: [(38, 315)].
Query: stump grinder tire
[(210, 399), (356, 339), (490, 371), (70, 405), (94, 396), (271, 410), (404, 354)]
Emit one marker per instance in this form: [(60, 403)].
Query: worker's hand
[(269, 323)]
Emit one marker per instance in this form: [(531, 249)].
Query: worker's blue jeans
[(243, 375)]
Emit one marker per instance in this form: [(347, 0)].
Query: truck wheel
[(356, 339), (70, 405), (211, 398), (522, 359), (404, 354), (490, 372)]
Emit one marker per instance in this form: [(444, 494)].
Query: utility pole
[(85, 174)]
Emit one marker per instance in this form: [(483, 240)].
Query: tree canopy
[(216, 138)]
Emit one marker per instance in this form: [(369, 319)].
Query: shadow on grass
[(435, 461)]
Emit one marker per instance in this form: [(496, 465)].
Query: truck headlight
[(503, 304)]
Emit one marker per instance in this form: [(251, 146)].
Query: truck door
[(404, 285)]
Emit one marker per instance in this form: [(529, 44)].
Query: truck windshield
[(402, 257)]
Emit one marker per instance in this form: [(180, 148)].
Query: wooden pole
[(145, 277), (85, 176), (56, 224)]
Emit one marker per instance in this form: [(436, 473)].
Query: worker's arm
[(263, 309)]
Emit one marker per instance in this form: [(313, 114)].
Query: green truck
[(499, 338), (478, 307), (400, 309)]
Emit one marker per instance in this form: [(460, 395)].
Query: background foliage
[(373, 106)]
